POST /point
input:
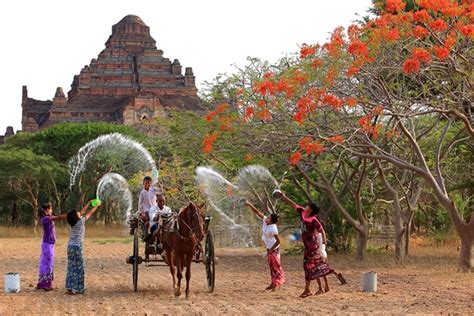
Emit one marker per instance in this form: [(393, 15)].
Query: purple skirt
[(46, 267)]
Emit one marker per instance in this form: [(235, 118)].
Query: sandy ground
[(427, 283)]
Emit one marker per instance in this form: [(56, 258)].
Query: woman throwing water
[(272, 243), (314, 265)]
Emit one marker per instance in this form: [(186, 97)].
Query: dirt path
[(428, 283)]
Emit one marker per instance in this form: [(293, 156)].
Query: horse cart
[(153, 256)]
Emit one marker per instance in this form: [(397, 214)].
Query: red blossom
[(357, 48), (394, 6), (411, 65), (295, 158), (468, 30), (351, 102), (420, 32), (337, 139), (248, 112), (222, 108), (441, 52), (353, 31), (210, 116), (208, 142), (248, 157), (421, 55), (264, 115), (299, 117), (352, 71), (311, 146), (421, 16), (392, 35), (438, 25), (317, 62), (306, 51)]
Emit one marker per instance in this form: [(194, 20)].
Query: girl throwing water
[(314, 265), (75, 257), (272, 243)]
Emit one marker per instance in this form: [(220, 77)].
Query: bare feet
[(326, 289), (319, 292), (306, 293), (69, 292), (271, 288)]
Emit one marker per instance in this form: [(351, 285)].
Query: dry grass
[(62, 230), (427, 283)]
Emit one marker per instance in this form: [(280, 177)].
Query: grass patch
[(105, 241)]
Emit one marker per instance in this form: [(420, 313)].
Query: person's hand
[(98, 203), (247, 203), (277, 194)]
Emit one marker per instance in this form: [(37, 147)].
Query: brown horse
[(180, 240)]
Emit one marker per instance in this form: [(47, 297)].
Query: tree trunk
[(400, 240), (465, 257), (362, 240), (14, 214)]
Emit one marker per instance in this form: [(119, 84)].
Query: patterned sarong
[(276, 271), (75, 269)]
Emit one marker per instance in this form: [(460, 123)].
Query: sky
[(45, 43)]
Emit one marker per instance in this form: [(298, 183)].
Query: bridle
[(192, 234)]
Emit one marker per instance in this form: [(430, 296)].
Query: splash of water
[(113, 190), (113, 152), (256, 184)]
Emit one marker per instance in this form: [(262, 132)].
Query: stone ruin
[(128, 82)]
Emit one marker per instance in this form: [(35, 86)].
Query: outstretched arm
[(60, 217), (254, 209), (288, 201), (84, 209), (91, 212)]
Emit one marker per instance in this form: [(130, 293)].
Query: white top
[(268, 234), (146, 199), (156, 210)]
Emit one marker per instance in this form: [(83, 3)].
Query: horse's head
[(193, 216)]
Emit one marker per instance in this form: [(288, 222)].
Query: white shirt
[(268, 234), (156, 210), (146, 199)]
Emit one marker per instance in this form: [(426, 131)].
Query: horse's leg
[(179, 274), (170, 259), (189, 261)]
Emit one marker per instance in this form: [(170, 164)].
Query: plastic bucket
[(369, 282), (12, 282)]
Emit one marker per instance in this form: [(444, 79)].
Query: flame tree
[(375, 91)]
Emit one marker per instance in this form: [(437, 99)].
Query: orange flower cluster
[(421, 54), (306, 51), (420, 32), (411, 65), (441, 52), (394, 6), (208, 142), (336, 139), (311, 146), (295, 158), (221, 108)]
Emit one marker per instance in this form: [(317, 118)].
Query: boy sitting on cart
[(155, 216)]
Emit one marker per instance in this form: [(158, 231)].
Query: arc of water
[(77, 163)]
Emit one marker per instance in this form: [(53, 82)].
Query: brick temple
[(129, 81)]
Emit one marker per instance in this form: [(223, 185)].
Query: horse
[(180, 238)]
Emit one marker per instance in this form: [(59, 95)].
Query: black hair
[(274, 217), (44, 207), (72, 217), (314, 208), (147, 178)]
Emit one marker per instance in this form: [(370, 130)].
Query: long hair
[(43, 209)]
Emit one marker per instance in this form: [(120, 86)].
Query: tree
[(368, 91)]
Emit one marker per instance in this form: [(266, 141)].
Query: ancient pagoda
[(128, 82)]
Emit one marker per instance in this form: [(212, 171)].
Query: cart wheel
[(210, 262), (135, 261)]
